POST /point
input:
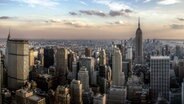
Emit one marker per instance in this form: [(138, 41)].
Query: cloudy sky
[(91, 19)]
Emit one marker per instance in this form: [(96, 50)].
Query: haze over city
[(91, 19)]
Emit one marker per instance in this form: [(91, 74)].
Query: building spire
[(139, 22), (9, 34)]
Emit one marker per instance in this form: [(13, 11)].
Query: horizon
[(91, 19)]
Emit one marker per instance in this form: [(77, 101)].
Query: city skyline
[(91, 19)]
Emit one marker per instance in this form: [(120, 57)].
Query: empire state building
[(138, 45)]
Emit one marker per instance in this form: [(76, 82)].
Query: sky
[(91, 19)]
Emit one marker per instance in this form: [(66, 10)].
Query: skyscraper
[(31, 58), (61, 61), (138, 45), (103, 59), (18, 62), (84, 78), (88, 52), (129, 53), (76, 92), (1, 73), (117, 67), (89, 63), (182, 92), (160, 76), (48, 57), (62, 95), (99, 99)]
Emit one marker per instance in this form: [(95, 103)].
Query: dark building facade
[(48, 57)]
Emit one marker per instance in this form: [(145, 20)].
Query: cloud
[(116, 13), (75, 23), (5, 17), (113, 5), (43, 3), (111, 13), (128, 11), (168, 2), (120, 13), (84, 3), (117, 22), (73, 13), (93, 12), (177, 26), (180, 19), (145, 1)]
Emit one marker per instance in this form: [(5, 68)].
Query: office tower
[(175, 96), (94, 78), (89, 63), (135, 88), (18, 62), (117, 95), (129, 53), (178, 51), (71, 59), (116, 67), (167, 51), (87, 97), (139, 45), (181, 70), (61, 61), (41, 56), (1, 78), (31, 58), (76, 92), (88, 52), (160, 76), (103, 71), (99, 99), (104, 78), (62, 95), (182, 92), (46, 82), (74, 70), (84, 78), (127, 68), (103, 59), (121, 48), (48, 57)]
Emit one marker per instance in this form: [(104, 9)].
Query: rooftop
[(160, 57), (35, 98)]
